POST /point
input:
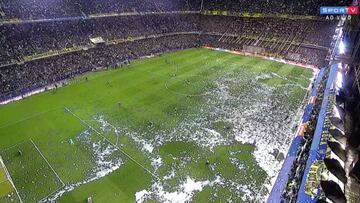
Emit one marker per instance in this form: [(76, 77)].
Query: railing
[(282, 179), (310, 192)]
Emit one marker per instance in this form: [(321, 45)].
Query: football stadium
[(179, 101)]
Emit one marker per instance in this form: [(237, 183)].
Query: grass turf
[(148, 103), (7, 193), (5, 185)]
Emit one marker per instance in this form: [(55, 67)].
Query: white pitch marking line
[(62, 182), (11, 181), (100, 134), (18, 144)]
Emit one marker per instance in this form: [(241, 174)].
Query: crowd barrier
[(282, 178), (260, 55), (309, 190)]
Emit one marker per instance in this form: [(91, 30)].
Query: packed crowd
[(20, 78), (45, 9), (28, 39), (314, 32), (282, 38), (20, 40), (306, 7), (295, 53), (20, 43)]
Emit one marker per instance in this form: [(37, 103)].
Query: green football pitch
[(193, 125), (7, 191), (5, 185)]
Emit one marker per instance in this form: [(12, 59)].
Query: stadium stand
[(21, 78), (322, 163), (37, 45), (41, 9), (29, 39), (277, 6), (283, 38), (39, 32)]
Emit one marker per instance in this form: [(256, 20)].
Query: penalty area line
[(7, 173), (117, 147), (53, 170), (42, 156)]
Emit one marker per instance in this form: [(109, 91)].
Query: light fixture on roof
[(337, 149), (333, 191), (339, 77), (336, 169), (339, 112), (338, 135), (337, 122), (342, 47)]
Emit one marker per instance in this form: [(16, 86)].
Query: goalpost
[(5, 179)]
